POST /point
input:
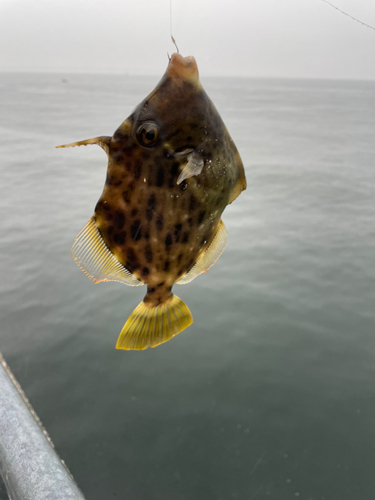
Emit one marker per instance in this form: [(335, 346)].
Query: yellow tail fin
[(151, 326)]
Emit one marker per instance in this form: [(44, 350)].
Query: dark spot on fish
[(118, 157), (193, 203), (189, 138), (119, 238), (174, 169), (127, 193), (160, 284), (110, 230), (201, 216), (168, 241), (126, 196), (152, 202), (160, 177), (111, 180), (181, 271), (119, 219), (137, 169), (166, 265), (148, 254), (185, 238), (106, 206), (119, 136), (149, 213), (166, 154), (160, 222), (190, 264), (145, 155), (177, 230), (147, 236), (128, 166), (151, 290), (134, 212), (193, 126), (150, 207), (183, 186), (135, 230), (173, 134), (145, 271), (128, 150), (179, 258), (132, 261), (190, 220)]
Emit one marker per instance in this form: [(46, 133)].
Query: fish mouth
[(183, 67)]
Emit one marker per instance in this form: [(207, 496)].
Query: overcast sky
[(289, 38)]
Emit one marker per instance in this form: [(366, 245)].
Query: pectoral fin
[(209, 257), (103, 141), (96, 260), (193, 166)]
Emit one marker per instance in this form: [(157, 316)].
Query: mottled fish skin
[(172, 170), (156, 228)]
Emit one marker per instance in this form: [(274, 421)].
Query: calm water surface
[(270, 394)]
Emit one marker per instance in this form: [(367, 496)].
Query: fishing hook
[(174, 41)]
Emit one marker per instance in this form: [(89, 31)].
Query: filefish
[(172, 170)]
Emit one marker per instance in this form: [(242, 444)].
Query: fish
[(172, 170)]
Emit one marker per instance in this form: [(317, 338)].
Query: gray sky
[(290, 38)]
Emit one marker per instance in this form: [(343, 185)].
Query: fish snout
[(183, 67)]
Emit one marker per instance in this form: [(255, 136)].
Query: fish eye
[(148, 134)]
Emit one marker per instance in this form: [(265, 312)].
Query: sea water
[(271, 392)]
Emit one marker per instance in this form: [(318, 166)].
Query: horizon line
[(62, 72)]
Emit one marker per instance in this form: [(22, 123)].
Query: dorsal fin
[(96, 260), (102, 141), (209, 257)]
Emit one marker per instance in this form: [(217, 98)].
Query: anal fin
[(96, 260), (209, 257)]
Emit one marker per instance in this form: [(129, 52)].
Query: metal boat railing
[(29, 464)]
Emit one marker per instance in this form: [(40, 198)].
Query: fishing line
[(170, 17), (346, 14)]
